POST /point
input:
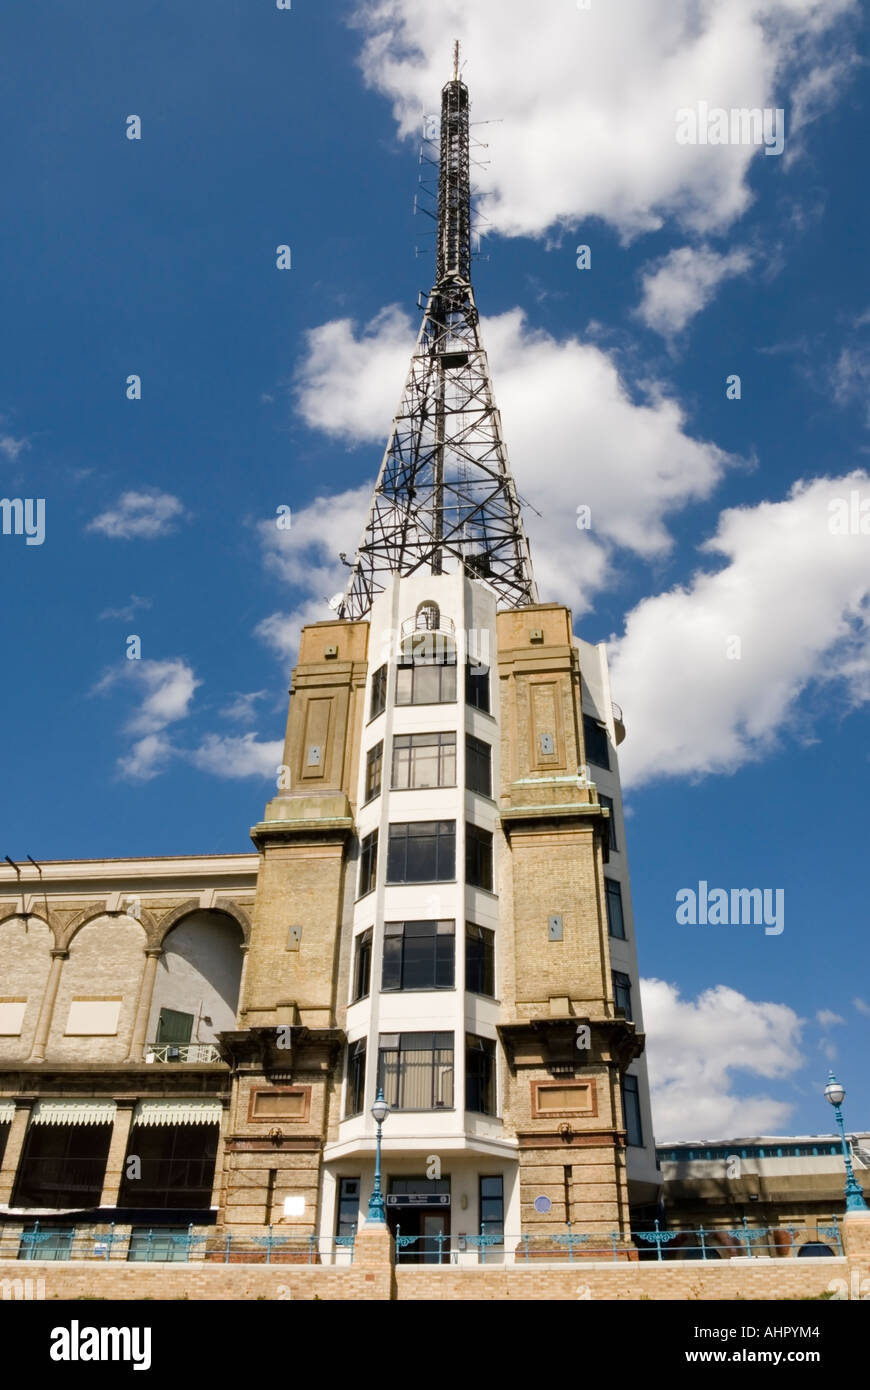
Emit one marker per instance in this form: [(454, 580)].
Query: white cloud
[(862, 1006), (147, 758), (681, 284), (797, 598), (577, 437), (827, 1018), (241, 706), (850, 377), (165, 690), (585, 99), (306, 557), (694, 1049), (237, 757), (141, 515), (11, 447), (128, 612)]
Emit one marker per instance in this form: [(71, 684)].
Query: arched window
[(428, 617), (814, 1248)]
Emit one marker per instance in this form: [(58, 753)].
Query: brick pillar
[(856, 1239), (46, 1013), (374, 1263), (117, 1153), (143, 1008), (14, 1145)]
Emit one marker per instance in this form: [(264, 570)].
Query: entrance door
[(432, 1225), (418, 1211)]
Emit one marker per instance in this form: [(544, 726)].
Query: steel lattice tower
[(445, 498)]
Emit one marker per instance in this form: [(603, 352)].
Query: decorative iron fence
[(53, 1240)]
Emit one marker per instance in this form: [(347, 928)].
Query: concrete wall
[(199, 974)]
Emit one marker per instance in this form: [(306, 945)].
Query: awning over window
[(73, 1112), (178, 1112), (7, 1112)]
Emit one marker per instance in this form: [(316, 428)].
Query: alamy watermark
[(741, 125), (747, 907), (24, 517)]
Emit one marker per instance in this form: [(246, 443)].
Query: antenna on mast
[(445, 499)]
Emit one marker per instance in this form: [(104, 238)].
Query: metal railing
[(50, 1241), (659, 1244), (182, 1052), (47, 1240)]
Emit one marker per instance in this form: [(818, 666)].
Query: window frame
[(486, 1227), (478, 754), (406, 742), (368, 864), (438, 836), (477, 679), (378, 699), (401, 1050), (345, 1227), (613, 892), (608, 803), (594, 730), (406, 663), (482, 853), (374, 759), (488, 1082), (622, 987), (355, 1068), (636, 1116), (362, 961), (439, 958), (488, 957)]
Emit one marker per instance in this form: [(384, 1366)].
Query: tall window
[(362, 965), (419, 955), (477, 687), (491, 1208), (379, 692), (478, 766), (422, 851), (479, 960), (615, 919), (631, 1111), (426, 674), (595, 740), (368, 863), (607, 801), (356, 1078), (374, 764), (348, 1207), (415, 1070), (479, 1074), (428, 617), (424, 760), (622, 993), (478, 857)]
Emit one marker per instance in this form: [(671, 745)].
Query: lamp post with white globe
[(835, 1093), (375, 1216)]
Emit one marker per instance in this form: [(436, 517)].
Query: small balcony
[(428, 621), (199, 1053)]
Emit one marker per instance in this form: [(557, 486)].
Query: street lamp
[(854, 1196), (375, 1217)]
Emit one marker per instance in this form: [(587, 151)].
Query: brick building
[(438, 905)]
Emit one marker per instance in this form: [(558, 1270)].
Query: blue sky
[(263, 388)]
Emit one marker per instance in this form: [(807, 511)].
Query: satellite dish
[(335, 602)]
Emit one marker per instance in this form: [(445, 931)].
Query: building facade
[(439, 906)]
